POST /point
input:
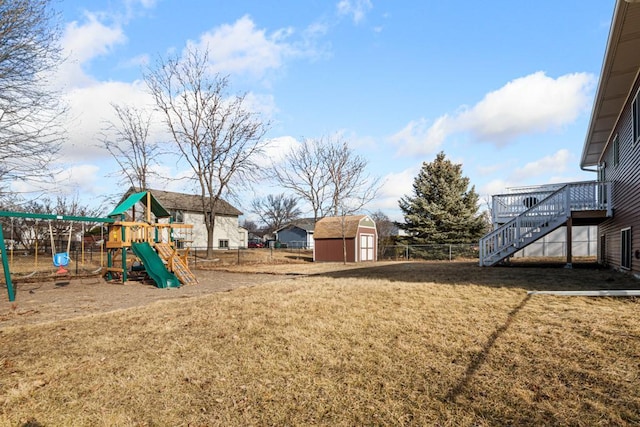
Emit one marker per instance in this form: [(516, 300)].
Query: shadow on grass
[(479, 358), (526, 276)]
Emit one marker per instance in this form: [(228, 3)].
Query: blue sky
[(505, 88)]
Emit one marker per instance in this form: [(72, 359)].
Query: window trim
[(223, 243), (626, 249)]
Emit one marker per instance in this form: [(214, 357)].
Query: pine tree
[(442, 208)]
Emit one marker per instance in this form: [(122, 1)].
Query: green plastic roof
[(156, 207)]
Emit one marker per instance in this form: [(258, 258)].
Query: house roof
[(331, 227), (619, 69), (188, 202), (306, 224)]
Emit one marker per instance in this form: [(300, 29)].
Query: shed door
[(366, 247)]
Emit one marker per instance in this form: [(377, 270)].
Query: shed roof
[(331, 227), (189, 202)]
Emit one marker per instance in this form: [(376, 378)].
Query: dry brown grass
[(393, 344)]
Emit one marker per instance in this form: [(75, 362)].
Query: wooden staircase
[(176, 264)]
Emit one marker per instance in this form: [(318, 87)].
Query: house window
[(625, 245), (616, 150), (177, 216), (223, 244), (635, 118)]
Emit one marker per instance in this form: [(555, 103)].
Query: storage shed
[(359, 233)]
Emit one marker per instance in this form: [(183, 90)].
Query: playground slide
[(154, 266)]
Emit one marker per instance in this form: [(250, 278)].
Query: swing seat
[(61, 259), (62, 270)]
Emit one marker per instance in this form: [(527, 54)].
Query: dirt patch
[(50, 300)]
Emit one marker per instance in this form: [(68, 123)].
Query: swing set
[(60, 259)]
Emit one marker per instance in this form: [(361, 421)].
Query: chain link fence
[(433, 252)]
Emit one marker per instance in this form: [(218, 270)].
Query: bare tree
[(349, 185), (128, 143), (217, 135), (30, 129), (329, 175), (276, 210), (304, 173), (30, 232)]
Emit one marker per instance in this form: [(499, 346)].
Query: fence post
[(449, 252)]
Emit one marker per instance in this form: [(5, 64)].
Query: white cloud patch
[(90, 112), (532, 104), (242, 48), (82, 43), (276, 150), (555, 163), (356, 9), (420, 137)]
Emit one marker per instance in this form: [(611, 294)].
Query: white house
[(187, 209)]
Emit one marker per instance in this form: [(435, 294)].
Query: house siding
[(226, 228), (294, 237), (625, 177)]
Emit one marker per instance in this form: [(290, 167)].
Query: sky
[(503, 88)]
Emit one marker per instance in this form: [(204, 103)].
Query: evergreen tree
[(442, 209)]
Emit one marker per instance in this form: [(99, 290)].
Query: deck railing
[(522, 218), (589, 195)]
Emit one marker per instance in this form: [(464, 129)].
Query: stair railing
[(526, 227)]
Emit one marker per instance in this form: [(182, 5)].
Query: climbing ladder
[(176, 264)]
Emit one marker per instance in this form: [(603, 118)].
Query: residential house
[(611, 150), (297, 233), (187, 208)]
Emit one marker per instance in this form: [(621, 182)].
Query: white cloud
[(532, 104), (73, 179), (357, 9), (555, 163), (276, 149), (528, 105), (417, 137), (242, 48), (90, 110), (82, 43)]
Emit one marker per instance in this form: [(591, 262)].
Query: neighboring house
[(187, 209), (357, 232), (611, 149), (297, 233)]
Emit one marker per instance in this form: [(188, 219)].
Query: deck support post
[(569, 243)]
